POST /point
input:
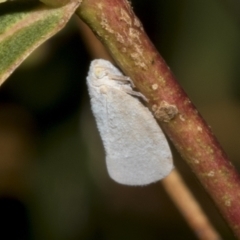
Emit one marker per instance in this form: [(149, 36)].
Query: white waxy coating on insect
[(137, 152)]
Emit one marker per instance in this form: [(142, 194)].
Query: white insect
[(137, 152)]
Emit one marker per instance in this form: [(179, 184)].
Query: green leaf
[(23, 27), (55, 3)]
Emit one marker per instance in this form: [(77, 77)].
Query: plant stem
[(189, 207), (114, 22), (173, 184)]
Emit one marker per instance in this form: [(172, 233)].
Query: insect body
[(137, 152)]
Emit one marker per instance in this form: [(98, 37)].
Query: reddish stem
[(115, 24)]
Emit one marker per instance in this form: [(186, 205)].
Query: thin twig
[(189, 207)]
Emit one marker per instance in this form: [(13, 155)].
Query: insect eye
[(99, 72)]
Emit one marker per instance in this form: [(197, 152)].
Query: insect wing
[(137, 152)]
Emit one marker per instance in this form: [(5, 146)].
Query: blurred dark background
[(53, 178)]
